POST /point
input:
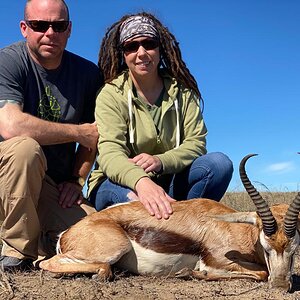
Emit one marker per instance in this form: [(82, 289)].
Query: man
[(47, 98)]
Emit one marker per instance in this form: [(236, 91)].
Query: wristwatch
[(79, 180)]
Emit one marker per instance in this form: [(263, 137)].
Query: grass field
[(37, 285)]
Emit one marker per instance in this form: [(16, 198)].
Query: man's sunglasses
[(148, 44), (43, 26)]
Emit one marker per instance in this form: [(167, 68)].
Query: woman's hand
[(154, 198), (150, 163)]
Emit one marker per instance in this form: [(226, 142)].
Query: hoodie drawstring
[(131, 135), (177, 124), (131, 138)]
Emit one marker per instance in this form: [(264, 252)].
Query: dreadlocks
[(111, 56)]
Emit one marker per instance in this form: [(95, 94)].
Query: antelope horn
[(262, 207), (291, 217)]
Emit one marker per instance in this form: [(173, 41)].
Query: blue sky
[(245, 56)]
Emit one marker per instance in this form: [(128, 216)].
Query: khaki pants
[(32, 217)]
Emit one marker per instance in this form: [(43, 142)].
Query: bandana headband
[(137, 26)]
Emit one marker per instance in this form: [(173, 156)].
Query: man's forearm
[(13, 122), (44, 132), (85, 159)]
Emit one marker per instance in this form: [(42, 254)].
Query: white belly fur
[(148, 262)]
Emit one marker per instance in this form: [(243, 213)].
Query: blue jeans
[(207, 177)]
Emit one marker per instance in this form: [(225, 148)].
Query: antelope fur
[(203, 239)]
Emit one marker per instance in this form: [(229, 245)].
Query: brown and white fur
[(203, 239)]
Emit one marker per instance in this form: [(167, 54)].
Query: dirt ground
[(40, 285)]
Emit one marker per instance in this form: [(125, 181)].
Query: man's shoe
[(10, 264)]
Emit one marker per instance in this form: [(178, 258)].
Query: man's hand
[(70, 193), (88, 135)]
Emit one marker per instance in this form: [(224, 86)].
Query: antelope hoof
[(104, 274), (185, 273)]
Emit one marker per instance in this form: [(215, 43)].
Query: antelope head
[(279, 233)]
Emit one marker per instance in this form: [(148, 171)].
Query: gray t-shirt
[(64, 95)]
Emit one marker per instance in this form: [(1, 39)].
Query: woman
[(152, 144)]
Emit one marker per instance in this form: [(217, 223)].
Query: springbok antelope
[(203, 239)]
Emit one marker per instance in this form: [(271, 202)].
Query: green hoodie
[(120, 115)]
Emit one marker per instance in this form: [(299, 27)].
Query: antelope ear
[(238, 217)]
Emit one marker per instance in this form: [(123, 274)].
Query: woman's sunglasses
[(43, 26), (148, 44)]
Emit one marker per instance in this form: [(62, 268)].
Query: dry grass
[(242, 202), (38, 285)]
